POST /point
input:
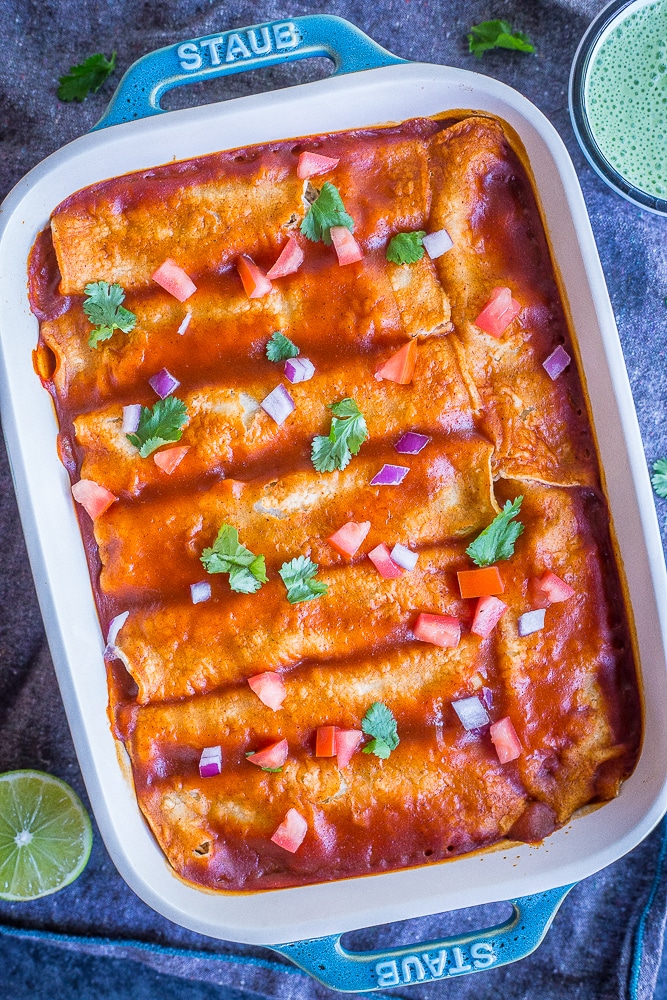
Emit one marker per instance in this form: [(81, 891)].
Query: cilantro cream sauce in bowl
[(618, 99)]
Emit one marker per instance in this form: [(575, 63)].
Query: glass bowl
[(618, 99)]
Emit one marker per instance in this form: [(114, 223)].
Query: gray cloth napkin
[(606, 941)]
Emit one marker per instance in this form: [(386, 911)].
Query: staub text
[(239, 45)]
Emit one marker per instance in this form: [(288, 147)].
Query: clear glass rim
[(579, 116)]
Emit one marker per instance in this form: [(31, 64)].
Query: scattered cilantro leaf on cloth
[(103, 307), (496, 35), (659, 477), (379, 723), (498, 538), (280, 347), (406, 248), (247, 572), (298, 575), (326, 211), (348, 433), (160, 425), (86, 77)]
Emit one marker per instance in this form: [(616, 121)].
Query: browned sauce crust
[(500, 428)]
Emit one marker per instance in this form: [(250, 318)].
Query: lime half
[(45, 835)]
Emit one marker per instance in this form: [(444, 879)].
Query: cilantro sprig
[(496, 35), (348, 433), (659, 477), (103, 307), (379, 723), (280, 347), (298, 575), (498, 538), (247, 572), (406, 248), (161, 424), (326, 211), (86, 77)]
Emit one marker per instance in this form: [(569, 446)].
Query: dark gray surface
[(588, 952)]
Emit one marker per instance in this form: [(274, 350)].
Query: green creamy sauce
[(626, 98)]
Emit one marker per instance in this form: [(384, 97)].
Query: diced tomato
[(488, 613), (254, 280), (325, 741), (498, 312), (291, 832), (274, 755), (400, 367), (380, 556), (347, 249), (93, 497), (348, 538), (347, 743), (439, 630), (174, 280), (554, 589), (269, 688), (311, 164), (290, 260), (483, 582), (168, 459), (505, 740)]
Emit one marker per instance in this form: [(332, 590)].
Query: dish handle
[(361, 972), (269, 44)]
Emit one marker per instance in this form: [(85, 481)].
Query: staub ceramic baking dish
[(369, 86)]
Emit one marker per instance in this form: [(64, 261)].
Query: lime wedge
[(45, 835)]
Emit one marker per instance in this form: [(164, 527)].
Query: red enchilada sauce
[(499, 428)]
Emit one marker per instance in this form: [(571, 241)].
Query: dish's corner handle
[(361, 972), (139, 92)]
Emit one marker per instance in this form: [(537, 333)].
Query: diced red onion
[(556, 363), (390, 475), (185, 324), (115, 625), (278, 404), (471, 712), (531, 622), (115, 653), (437, 243), (299, 370), (487, 698), (200, 592), (411, 443), (210, 762), (404, 557), (163, 383), (131, 417)]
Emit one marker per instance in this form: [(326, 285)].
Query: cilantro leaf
[(379, 723), (348, 433), (86, 77), (498, 538), (326, 211), (280, 347), (104, 310), (160, 425), (247, 572), (496, 35), (298, 576), (406, 248), (659, 478)]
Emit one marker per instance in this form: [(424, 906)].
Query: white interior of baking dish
[(390, 94)]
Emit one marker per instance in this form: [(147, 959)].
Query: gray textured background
[(588, 951)]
